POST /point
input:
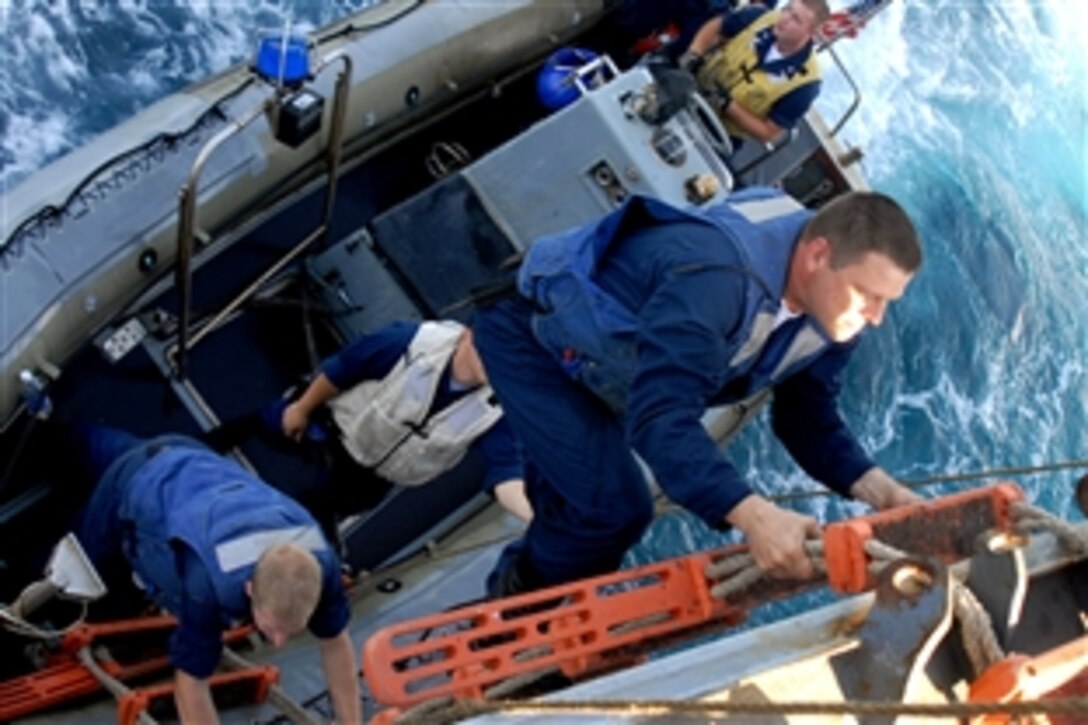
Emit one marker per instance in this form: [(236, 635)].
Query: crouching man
[(213, 545)]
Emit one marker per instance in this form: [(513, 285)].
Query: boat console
[(426, 256)]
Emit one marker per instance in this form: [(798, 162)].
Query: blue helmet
[(555, 83)]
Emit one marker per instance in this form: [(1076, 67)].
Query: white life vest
[(384, 423)]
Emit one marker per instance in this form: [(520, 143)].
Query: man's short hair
[(859, 222), (820, 10), (287, 584)]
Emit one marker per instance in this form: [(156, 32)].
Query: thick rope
[(737, 572), (20, 626), (976, 630), (951, 478), (437, 554), (665, 709), (511, 685), (1028, 518)]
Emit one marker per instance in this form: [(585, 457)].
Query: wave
[(74, 70)]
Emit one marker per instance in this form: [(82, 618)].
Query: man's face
[(846, 299), (796, 24), (274, 631)]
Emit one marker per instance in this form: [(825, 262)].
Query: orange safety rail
[(248, 686), (574, 627), (1018, 678), (945, 528), (66, 679), (589, 626)]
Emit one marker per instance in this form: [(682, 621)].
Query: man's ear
[(249, 588), (816, 253)]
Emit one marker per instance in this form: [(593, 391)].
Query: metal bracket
[(912, 614), (998, 576)]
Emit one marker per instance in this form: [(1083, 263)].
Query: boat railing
[(187, 212), (855, 101)]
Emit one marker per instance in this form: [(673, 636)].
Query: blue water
[(975, 117)]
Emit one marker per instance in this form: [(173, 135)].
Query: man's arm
[(504, 463), (368, 357), (762, 129), (296, 416), (196, 646), (706, 37), (511, 495), (881, 491), (805, 417), (193, 699), (776, 536), (342, 676)]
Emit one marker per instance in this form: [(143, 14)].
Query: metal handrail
[(853, 86), (187, 212), (187, 223)]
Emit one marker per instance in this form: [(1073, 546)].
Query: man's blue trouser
[(590, 498), (100, 450)]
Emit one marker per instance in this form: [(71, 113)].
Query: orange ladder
[(603, 622), (65, 678)]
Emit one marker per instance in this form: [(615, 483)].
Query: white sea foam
[(32, 140)]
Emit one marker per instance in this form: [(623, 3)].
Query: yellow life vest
[(734, 66)]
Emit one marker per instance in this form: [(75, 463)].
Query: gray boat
[(196, 261)]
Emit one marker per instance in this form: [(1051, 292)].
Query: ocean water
[(975, 117)]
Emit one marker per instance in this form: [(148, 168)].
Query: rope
[(976, 630), (287, 705), (428, 710), (951, 478), (17, 624), (1028, 518), (513, 684), (114, 686), (739, 571), (665, 505), (461, 709)]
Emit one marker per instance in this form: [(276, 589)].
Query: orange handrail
[(943, 527), (593, 624), (571, 626), (255, 681), (66, 679)]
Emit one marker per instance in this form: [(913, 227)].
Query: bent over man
[(410, 400), (627, 329), (212, 544), (759, 67)]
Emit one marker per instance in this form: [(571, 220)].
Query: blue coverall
[(166, 505), (694, 287)]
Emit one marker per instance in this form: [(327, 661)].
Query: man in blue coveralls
[(627, 329), (212, 544), (409, 400)]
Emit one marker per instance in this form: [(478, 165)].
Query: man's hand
[(342, 677), (776, 537), (690, 62), (193, 699), (719, 99), (881, 491), (295, 420)]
